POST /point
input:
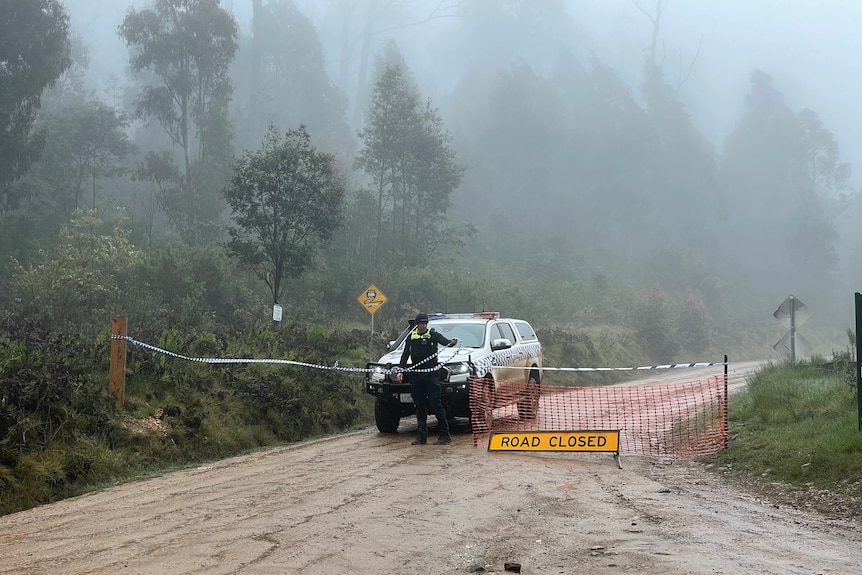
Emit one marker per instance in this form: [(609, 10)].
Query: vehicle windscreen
[(468, 334)]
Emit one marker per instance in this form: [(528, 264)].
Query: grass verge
[(795, 438)]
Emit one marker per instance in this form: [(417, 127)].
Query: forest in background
[(229, 172), (546, 178)]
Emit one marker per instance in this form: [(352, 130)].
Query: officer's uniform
[(425, 382)]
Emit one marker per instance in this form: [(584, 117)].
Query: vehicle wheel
[(528, 406), (482, 405), (387, 416)]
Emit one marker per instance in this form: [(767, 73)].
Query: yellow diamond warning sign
[(371, 299), (600, 441)]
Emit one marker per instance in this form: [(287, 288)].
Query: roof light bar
[(477, 315), (488, 314)]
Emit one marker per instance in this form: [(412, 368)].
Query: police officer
[(421, 347)]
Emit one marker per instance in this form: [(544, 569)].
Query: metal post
[(792, 330), (858, 364), (726, 414)]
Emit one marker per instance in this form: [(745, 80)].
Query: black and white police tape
[(334, 367), (482, 366)]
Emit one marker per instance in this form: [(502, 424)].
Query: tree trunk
[(255, 107)]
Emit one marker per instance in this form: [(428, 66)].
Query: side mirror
[(389, 345), (501, 343)]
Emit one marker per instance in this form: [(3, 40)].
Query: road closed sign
[(598, 441), (371, 299)]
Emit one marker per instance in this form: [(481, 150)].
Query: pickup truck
[(499, 358)]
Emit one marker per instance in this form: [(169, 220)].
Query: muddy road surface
[(367, 503)]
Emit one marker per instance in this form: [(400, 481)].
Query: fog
[(811, 49), (690, 139)]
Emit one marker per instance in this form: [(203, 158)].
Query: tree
[(515, 136), (682, 176), (495, 36), (92, 274), (287, 201), (88, 143), (354, 30), (411, 167), (777, 171), (163, 177), (186, 47), (27, 67), (287, 81)]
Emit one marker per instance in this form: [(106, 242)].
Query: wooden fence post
[(117, 379)]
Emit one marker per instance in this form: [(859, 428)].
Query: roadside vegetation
[(795, 435), (228, 184)]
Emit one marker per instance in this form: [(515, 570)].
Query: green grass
[(799, 426)]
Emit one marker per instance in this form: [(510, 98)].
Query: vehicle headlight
[(458, 368)]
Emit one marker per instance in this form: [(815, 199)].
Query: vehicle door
[(509, 379)]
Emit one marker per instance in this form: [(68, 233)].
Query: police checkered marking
[(645, 367), (504, 358)]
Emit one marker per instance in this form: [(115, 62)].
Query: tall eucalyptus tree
[(777, 172), (282, 80), (27, 67), (181, 51), (410, 166)]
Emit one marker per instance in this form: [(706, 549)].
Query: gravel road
[(367, 503)]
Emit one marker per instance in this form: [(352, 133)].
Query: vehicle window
[(400, 341), (525, 330), (468, 334), (505, 331)]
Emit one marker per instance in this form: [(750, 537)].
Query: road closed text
[(606, 440)]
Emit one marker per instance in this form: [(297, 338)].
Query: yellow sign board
[(371, 299), (599, 441)]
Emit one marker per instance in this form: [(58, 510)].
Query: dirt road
[(368, 503)]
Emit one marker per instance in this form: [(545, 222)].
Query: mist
[(705, 148), (809, 49)]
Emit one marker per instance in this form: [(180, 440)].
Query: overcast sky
[(811, 48)]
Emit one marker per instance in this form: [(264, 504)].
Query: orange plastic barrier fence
[(669, 419)]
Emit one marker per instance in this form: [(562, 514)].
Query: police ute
[(500, 358)]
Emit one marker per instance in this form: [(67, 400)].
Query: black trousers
[(427, 393)]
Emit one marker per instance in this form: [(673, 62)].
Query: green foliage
[(55, 417), (410, 168), (28, 68), (182, 50), (86, 279), (86, 145), (797, 425), (62, 435), (188, 45), (287, 201), (654, 325), (196, 288)]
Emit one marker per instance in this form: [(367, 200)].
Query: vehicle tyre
[(482, 405), (387, 416), (528, 406)]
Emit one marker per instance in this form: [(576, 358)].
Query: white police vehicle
[(503, 354)]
